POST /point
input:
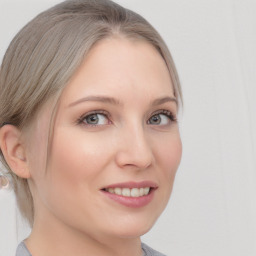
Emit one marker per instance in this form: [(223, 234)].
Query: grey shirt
[(22, 250)]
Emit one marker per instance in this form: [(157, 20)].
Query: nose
[(134, 149)]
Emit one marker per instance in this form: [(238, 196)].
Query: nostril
[(134, 154)]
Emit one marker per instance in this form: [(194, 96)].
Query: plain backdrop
[(212, 210)]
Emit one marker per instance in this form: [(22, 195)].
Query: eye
[(159, 119), (94, 119), (164, 117)]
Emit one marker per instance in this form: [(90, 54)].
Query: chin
[(132, 227)]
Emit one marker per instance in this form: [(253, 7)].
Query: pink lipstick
[(131, 194)]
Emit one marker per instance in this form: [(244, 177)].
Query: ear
[(14, 150)]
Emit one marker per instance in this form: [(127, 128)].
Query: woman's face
[(115, 147)]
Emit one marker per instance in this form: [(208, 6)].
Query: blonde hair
[(45, 54)]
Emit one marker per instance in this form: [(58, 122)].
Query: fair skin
[(115, 128)]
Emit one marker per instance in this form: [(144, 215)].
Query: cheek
[(37, 153), (169, 153), (77, 156), (74, 172)]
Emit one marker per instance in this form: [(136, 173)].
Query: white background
[(212, 211)]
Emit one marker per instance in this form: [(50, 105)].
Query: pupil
[(93, 119), (155, 119)]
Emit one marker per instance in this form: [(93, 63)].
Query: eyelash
[(165, 112), (82, 118)]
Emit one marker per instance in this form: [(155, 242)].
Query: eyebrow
[(103, 99), (163, 100), (114, 101)]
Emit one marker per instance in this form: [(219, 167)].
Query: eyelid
[(80, 120), (166, 112)]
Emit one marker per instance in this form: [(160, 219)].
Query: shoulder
[(148, 251), (22, 250)]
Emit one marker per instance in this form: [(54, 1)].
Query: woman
[(89, 133)]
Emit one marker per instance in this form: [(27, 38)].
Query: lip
[(132, 202), (133, 184)]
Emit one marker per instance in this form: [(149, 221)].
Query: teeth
[(127, 192), (146, 190), (142, 192), (111, 190), (118, 191), (135, 192)]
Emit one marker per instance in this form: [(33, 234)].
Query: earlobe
[(14, 150)]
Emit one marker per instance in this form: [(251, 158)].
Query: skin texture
[(72, 215)]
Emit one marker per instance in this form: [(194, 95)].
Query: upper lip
[(133, 184)]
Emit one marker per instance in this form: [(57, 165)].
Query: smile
[(129, 192)]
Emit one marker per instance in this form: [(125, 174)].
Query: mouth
[(131, 194)]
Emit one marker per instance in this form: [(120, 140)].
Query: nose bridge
[(135, 148)]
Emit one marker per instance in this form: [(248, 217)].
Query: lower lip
[(133, 202)]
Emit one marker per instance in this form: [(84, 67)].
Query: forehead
[(118, 65)]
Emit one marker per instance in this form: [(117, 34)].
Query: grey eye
[(96, 119), (156, 119), (159, 119)]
